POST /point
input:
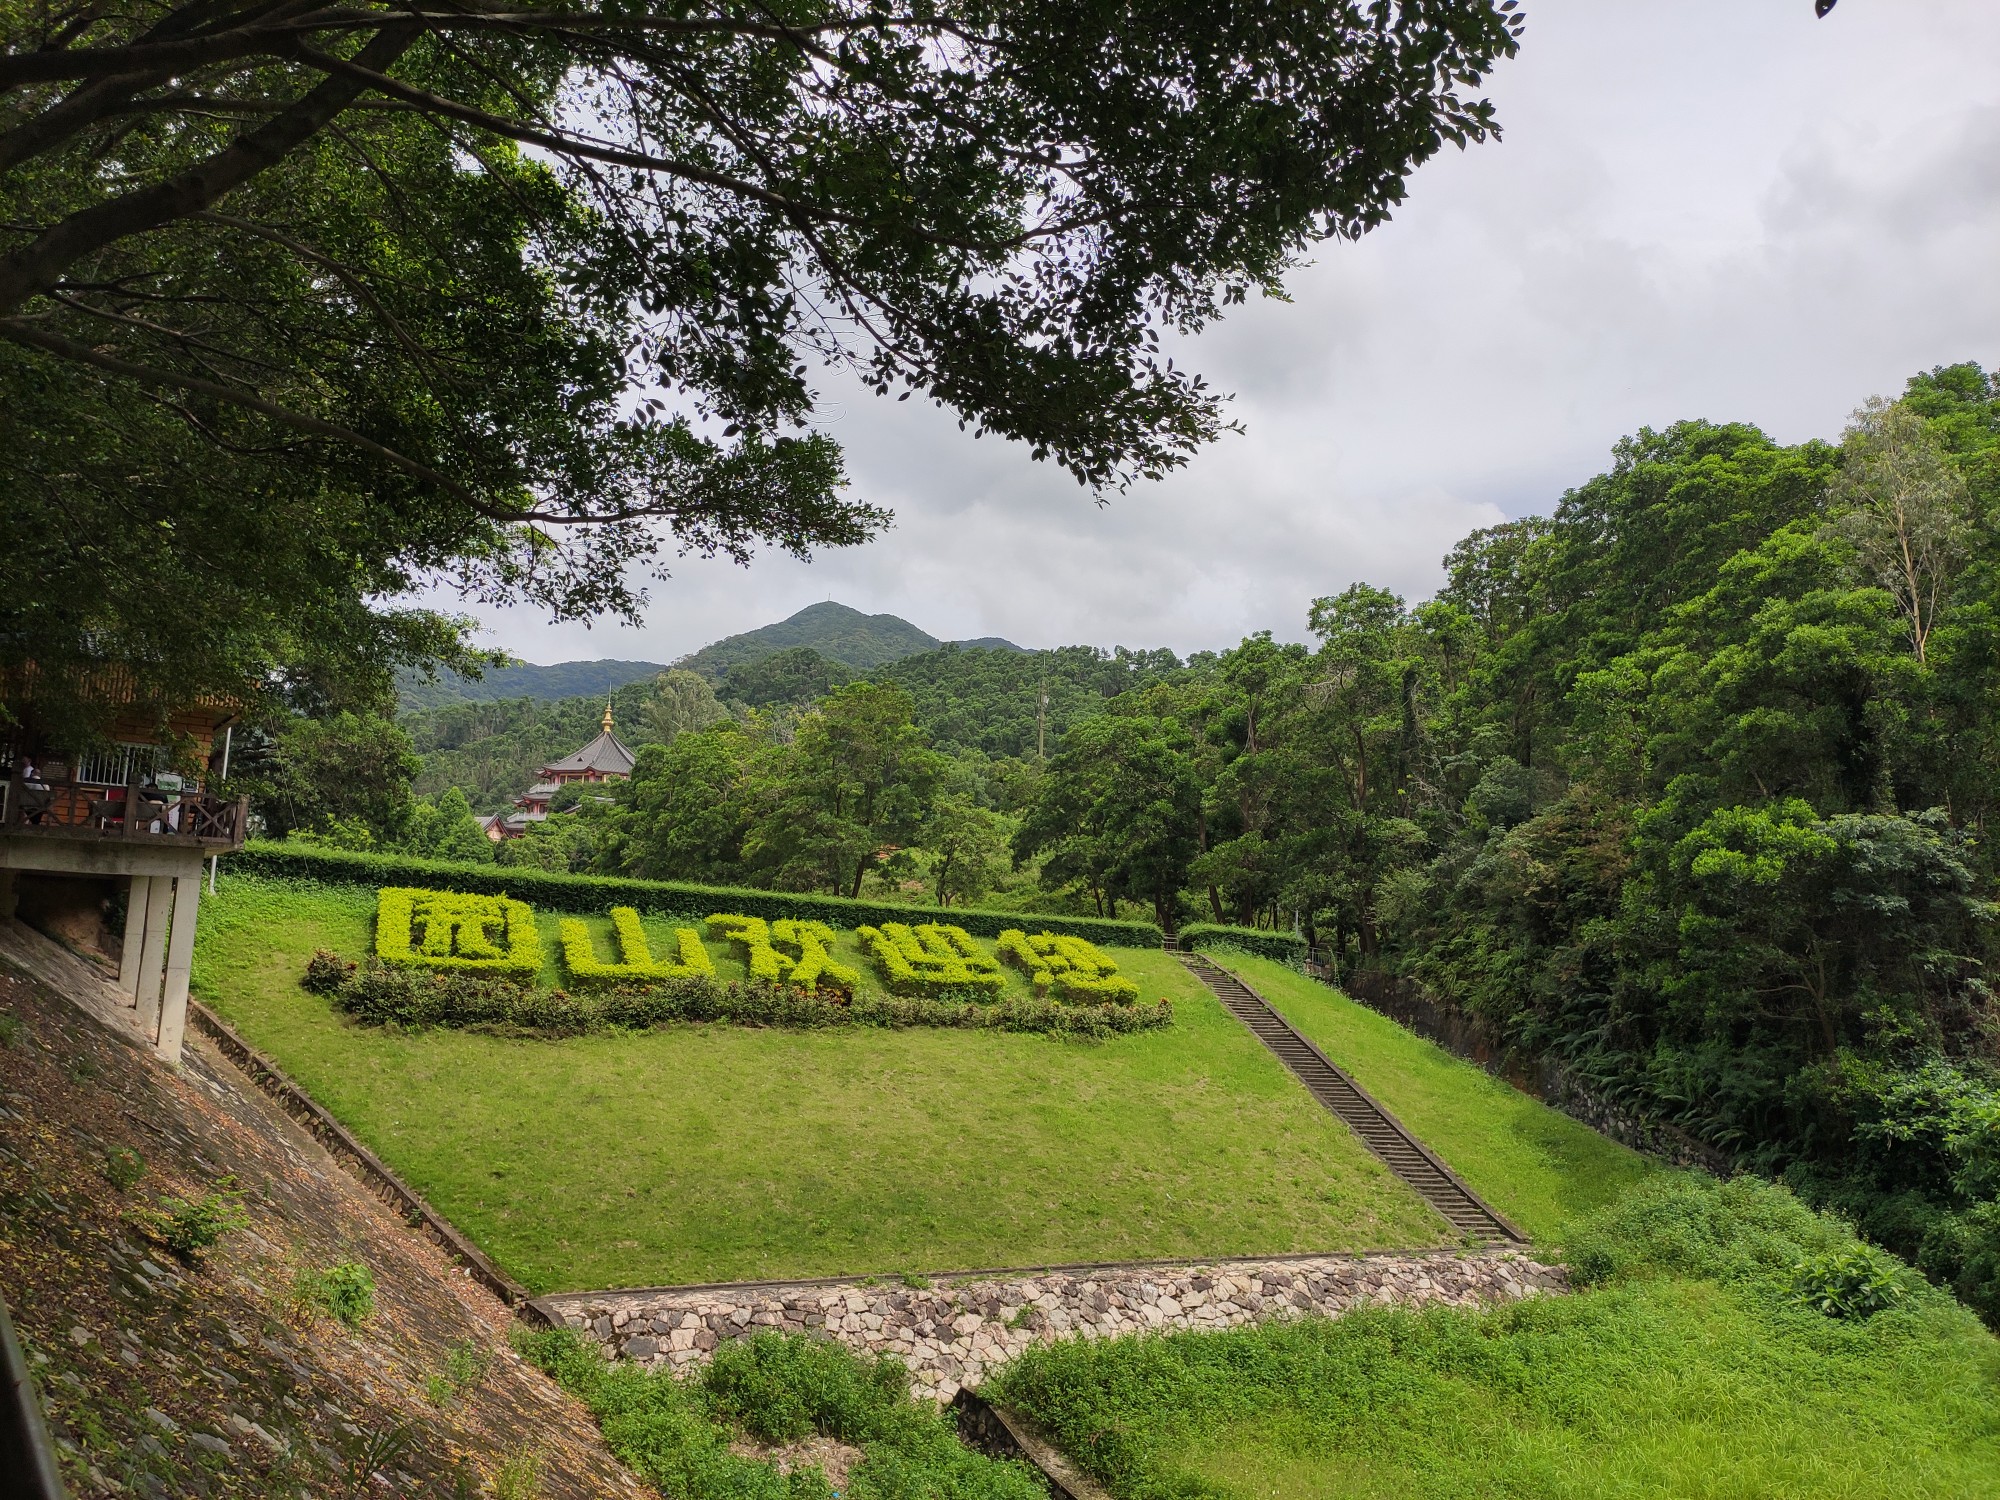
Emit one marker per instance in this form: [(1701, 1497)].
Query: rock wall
[(954, 1334)]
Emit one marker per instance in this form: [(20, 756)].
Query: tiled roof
[(607, 755)]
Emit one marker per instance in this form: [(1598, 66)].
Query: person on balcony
[(36, 794)]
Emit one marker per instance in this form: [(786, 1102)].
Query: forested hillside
[(1686, 784), (563, 679), (833, 630)]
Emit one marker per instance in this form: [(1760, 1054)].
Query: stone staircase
[(1378, 1130)]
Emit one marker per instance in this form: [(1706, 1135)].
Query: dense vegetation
[(676, 1433), (1698, 1363), (1686, 784), (586, 263), (563, 679)]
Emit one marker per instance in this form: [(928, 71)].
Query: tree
[(678, 703), (514, 299), (797, 674), (853, 788), (1116, 812), (445, 829), (1906, 511), (349, 768), (687, 808), (968, 849)]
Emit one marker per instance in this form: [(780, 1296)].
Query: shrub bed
[(451, 930), (635, 956), (1284, 947), (1074, 967), (932, 959), (559, 891), (382, 994)]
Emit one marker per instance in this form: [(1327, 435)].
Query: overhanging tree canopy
[(302, 304)]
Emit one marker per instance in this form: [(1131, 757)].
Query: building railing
[(60, 805)]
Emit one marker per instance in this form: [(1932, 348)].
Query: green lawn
[(713, 1152), (1535, 1164), (1677, 1380)]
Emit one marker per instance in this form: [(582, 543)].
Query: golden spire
[(607, 716)]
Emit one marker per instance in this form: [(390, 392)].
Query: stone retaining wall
[(957, 1332)]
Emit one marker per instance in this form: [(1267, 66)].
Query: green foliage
[(675, 1433), (345, 771), (811, 967), (833, 632), (796, 675), (635, 963), (1284, 947), (452, 930), (445, 829), (586, 893), (1117, 813), (931, 959), (1688, 1367), (12, 1032), (1079, 971), (189, 1227), (343, 1292), (415, 999), (1855, 1282), (123, 1167)]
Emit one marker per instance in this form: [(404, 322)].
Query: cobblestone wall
[(954, 1334)]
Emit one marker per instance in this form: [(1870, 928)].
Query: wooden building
[(129, 821)]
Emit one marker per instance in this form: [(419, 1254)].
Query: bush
[(380, 994), (1285, 947), (1855, 1281), (594, 893), (123, 1167), (453, 930), (813, 968), (345, 1292), (933, 959), (189, 1228), (635, 957), (1076, 968), (675, 1432), (326, 972)]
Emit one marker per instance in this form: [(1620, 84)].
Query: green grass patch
[(711, 1152), (1535, 1164), (676, 1432), (1691, 1372)]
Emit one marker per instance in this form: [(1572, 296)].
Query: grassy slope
[(1670, 1383), (1535, 1164), (714, 1152)]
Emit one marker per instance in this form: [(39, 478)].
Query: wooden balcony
[(64, 808)]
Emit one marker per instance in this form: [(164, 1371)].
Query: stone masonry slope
[(163, 1378), (957, 1332)]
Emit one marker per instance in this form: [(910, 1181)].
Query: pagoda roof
[(607, 755)]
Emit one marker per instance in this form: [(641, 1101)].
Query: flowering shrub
[(930, 960), (450, 930), (1077, 969), (635, 957)]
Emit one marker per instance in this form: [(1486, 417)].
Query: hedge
[(933, 959), (635, 957), (383, 994), (813, 969), (456, 931), (1078, 970), (1285, 947), (589, 894)]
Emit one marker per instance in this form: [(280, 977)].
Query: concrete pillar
[(135, 936), (180, 958), (153, 953)]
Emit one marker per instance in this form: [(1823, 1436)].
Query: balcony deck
[(72, 811)]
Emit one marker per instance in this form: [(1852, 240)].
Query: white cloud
[(1707, 209)]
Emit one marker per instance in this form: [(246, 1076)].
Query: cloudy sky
[(1704, 208)]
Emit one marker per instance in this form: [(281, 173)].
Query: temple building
[(606, 758)]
